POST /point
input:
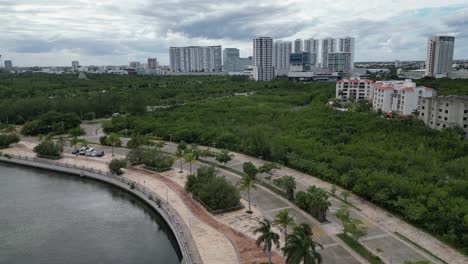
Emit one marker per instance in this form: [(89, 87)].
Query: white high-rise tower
[(312, 46), (263, 59), (281, 52), (298, 48), (439, 56)]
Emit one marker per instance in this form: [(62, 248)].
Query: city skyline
[(56, 32)]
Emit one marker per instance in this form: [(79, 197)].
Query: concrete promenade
[(216, 241)]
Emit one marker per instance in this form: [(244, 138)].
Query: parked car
[(100, 153), (82, 151), (93, 153), (75, 151)]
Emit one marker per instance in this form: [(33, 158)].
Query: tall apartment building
[(152, 63), (312, 46), (281, 52), (402, 97), (230, 59), (298, 48), (195, 59), (134, 64), (328, 46), (8, 65), (439, 56), (263, 69), (445, 112), (75, 65), (340, 62), (346, 45), (355, 89)]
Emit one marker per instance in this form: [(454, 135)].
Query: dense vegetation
[(400, 164), (52, 122), (205, 181), (25, 96)]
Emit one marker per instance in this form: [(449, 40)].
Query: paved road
[(381, 225)]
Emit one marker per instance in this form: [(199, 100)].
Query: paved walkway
[(216, 242)]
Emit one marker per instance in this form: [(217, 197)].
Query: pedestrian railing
[(181, 230)]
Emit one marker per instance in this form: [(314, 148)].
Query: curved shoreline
[(187, 248)]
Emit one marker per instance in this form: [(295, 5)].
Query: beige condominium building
[(401, 97), (354, 89), (445, 112)]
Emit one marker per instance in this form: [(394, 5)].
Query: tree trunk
[(248, 194), (180, 160), (112, 150), (269, 256), (190, 167)]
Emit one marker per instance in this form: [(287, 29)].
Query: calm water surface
[(48, 217)]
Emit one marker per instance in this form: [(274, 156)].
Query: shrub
[(156, 159), (213, 190), (6, 140), (116, 166), (49, 148)]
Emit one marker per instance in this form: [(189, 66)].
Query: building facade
[(439, 56), (8, 65), (355, 90), (281, 52), (401, 97), (230, 59), (195, 59), (445, 112), (299, 62), (263, 69), (152, 63), (340, 62), (346, 45), (75, 65), (312, 46), (298, 46)]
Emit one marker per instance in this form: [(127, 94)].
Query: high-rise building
[(8, 65), (298, 46), (230, 59), (439, 56), (152, 63), (263, 69), (312, 46), (134, 64), (339, 62), (328, 46), (346, 45), (75, 65), (281, 52), (196, 59)]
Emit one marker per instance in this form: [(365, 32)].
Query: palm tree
[(113, 139), (247, 182), (189, 157), (284, 220), (267, 237), (179, 155), (289, 185), (301, 247)]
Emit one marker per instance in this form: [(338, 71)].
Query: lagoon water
[(48, 217)]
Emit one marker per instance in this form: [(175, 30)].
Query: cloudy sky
[(101, 32)]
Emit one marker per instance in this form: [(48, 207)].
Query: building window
[(446, 104), (440, 110), (445, 118), (446, 111), (465, 126), (443, 126), (466, 111), (464, 118)]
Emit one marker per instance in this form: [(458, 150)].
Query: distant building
[(134, 64), (412, 74), (313, 76), (152, 63), (230, 59), (299, 62), (328, 46), (439, 56), (445, 112), (340, 62), (196, 59), (401, 97), (312, 46), (75, 65), (8, 65), (354, 89), (263, 59), (298, 48), (346, 45), (281, 52)]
